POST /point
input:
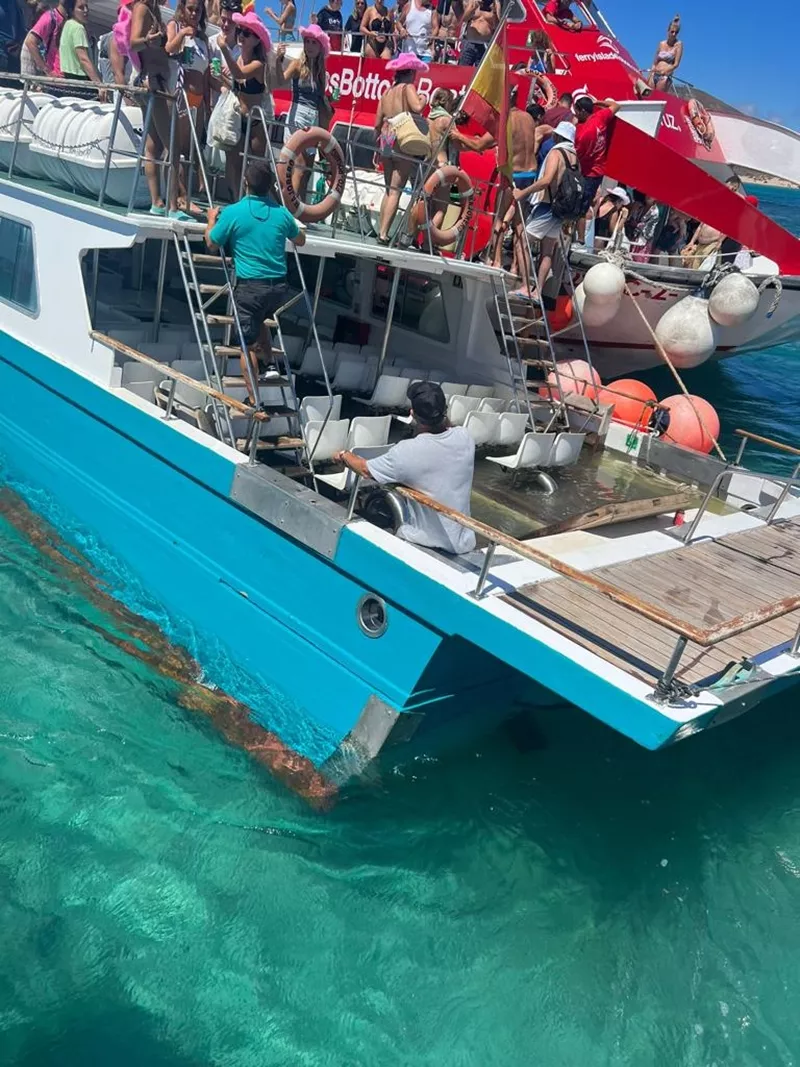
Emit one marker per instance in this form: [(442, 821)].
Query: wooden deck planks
[(703, 584)]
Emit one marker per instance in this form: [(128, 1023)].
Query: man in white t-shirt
[(438, 461)]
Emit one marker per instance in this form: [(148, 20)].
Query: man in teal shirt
[(254, 233)]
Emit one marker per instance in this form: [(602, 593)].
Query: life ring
[(700, 124), (548, 91), (302, 141), (449, 176)]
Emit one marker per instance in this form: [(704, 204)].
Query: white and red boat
[(665, 145)]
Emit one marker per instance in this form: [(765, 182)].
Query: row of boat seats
[(496, 429), (366, 435), (543, 450), (459, 406)]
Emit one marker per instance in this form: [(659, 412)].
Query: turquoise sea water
[(583, 904)]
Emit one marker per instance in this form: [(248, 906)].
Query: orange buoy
[(574, 376), (561, 315), (630, 400), (693, 423)]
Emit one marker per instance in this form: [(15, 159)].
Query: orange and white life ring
[(448, 176), (300, 143), (547, 91)]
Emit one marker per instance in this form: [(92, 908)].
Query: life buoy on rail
[(547, 94), (302, 142), (448, 176)]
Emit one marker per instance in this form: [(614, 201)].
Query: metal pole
[(664, 682), (789, 483), (162, 271), (111, 138), (170, 399), (95, 280), (795, 649), (148, 118), (687, 537), (172, 172), (351, 506), (477, 592), (18, 129), (389, 318), (740, 453), (245, 148)]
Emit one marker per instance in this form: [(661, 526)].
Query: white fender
[(687, 332), (733, 301)]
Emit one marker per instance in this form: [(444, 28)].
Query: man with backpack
[(559, 192)]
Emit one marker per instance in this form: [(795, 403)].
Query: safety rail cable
[(705, 638)]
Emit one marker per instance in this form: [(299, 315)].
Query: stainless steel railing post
[(111, 138)]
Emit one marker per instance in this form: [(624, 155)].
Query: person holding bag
[(403, 137)]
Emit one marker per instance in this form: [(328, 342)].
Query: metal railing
[(685, 632)]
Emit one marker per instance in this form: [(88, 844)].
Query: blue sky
[(744, 53)]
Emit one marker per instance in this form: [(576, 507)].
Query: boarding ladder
[(527, 337)]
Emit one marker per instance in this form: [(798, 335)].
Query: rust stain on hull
[(144, 641)]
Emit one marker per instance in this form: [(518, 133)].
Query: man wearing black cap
[(439, 461)]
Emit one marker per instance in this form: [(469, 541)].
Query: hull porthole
[(372, 616)]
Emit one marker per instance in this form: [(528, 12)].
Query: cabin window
[(339, 279), (420, 303), (17, 269)]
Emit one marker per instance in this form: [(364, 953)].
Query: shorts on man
[(257, 299), (591, 185), (472, 52)]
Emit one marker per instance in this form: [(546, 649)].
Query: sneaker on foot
[(272, 371)]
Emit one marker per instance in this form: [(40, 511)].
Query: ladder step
[(235, 350), (228, 320), (232, 381), (205, 260), (206, 287), (535, 342), (278, 444), (280, 411), (538, 363)]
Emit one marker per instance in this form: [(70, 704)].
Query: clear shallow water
[(163, 901)]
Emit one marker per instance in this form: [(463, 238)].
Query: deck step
[(207, 287), (277, 444), (228, 320)]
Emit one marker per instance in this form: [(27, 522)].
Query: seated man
[(439, 461), (559, 13), (254, 233)]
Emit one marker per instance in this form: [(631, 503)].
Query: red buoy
[(693, 422), (630, 400)]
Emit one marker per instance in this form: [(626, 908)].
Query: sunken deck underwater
[(704, 584)]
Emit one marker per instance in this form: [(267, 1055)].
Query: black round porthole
[(372, 616)]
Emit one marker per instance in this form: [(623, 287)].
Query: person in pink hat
[(309, 107), (248, 72), (401, 102)]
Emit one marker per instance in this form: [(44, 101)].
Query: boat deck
[(703, 584)]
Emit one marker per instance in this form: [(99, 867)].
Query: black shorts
[(256, 299), (589, 191)]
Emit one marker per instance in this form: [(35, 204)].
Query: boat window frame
[(33, 311)]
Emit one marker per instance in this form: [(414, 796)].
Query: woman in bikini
[(148, 38), (378, 29), (308, 77), (285, 20), (667, 59), (187, 44), (249, 83)]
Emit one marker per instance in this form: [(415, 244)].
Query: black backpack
[(567, 201)]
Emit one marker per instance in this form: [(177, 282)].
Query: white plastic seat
[(146, 390), (133, 336), (454, 389), (416, 374), (323, 440), (176, 335), (369, 431), (480, 391), (493, 403), (140, 372), (293, 347), (437, 376), (483, 427), (192, 368), (511, 428), (504, 392), (315, 408), (349, 375), (342, 481), (347, 348), (311, 366), (370, 351), (190, 351), (389, 392), (535, 450), (567, 449), (458, 407)]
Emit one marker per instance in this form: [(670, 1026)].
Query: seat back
[(369, 431), (389, 392), (454, 389), (311, 365), (480, 390), (324, 440), (146, 390), (492, 403), (414, 373), (140, 372), (458, 407), (315, 408), (483, 427), (567, 449), (192, 368), (293, 347), (349, 375), (511, 428), (536, 450)]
